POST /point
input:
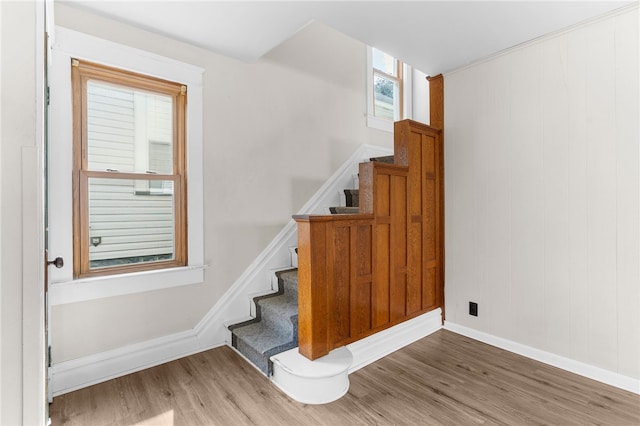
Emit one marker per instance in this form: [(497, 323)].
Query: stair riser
[(273, 318), (258, 359), (352, 197), (291, 289)]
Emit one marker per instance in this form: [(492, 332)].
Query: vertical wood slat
[(398, 246), (436, 120), (420, 148), (359, 274)]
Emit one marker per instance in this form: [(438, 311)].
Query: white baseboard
[(96, 368), (381, 344), (599, 374)]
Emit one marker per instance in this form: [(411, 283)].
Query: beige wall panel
[(542, 194), (555, 147), (628, 194), (601, 196)]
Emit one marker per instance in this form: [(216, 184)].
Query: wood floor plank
[(443, 379)]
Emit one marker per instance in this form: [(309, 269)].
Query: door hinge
[(48, 96), (49, 356)]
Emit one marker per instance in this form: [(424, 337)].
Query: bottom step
[(326, 379), (313, 382)]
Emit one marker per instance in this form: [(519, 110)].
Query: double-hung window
[(129, 171)]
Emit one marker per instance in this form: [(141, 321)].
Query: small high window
[(387, 86), (129, 185)]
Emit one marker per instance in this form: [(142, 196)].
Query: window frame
[(64, 288), (397, 113), (81, 73)]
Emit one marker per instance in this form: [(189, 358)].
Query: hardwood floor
[(443, 379)]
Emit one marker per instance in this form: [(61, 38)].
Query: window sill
[(118, 285), (379, 123)]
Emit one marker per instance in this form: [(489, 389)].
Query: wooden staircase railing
[(360, 274)]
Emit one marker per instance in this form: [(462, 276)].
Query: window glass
[(384, 62), (385, 92), (123, 123), (127, 228), (386, 87)]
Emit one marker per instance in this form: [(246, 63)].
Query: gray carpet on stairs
[(275, 328)]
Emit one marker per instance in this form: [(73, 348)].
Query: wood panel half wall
[(360, 274)]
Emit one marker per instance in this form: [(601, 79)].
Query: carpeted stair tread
[(275, 328), (289, 279), (344, 210), (277, 312), (384, 159), (262, 337), (259, 343)]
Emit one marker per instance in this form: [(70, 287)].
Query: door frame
[(34, 364)]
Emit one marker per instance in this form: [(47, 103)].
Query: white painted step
[(326, 379), (320, 381)]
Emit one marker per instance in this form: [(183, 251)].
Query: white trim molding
[(97, 368), (599, 374)]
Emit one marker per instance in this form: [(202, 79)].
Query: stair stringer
[(211, 330)]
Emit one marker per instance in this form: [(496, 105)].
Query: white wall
[(274, 131), (542, 194), (2, 402), (21, 284), (420, 96)]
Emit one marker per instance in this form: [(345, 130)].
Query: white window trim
[(64, 289), (407, 91)]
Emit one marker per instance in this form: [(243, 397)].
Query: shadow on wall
[(244, 242), (302, 190), (308, 50)]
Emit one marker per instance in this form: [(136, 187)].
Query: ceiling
[(433, 36)]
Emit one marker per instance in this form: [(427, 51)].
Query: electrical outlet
[(473, 309)]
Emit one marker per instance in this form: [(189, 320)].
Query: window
[(387, 86), (389, 90), (129, 171)]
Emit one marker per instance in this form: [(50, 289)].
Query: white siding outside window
[(127, 221)]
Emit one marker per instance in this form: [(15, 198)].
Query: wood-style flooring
[(443, 379)]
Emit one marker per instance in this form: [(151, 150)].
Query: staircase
[(275, 327), (352, 195)]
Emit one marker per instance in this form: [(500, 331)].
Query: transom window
[(129, 186)]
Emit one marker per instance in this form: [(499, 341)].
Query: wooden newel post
[(436, 101), (312, 288)]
